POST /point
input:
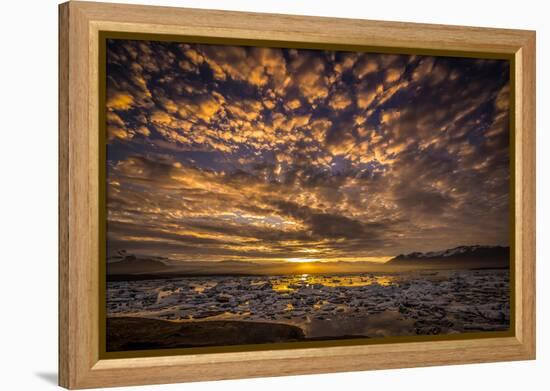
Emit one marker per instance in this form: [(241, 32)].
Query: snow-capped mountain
[(476, 256)]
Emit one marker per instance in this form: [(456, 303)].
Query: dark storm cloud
[(260, 153), (329, 225)]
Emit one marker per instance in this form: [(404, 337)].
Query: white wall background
[(28, 207)]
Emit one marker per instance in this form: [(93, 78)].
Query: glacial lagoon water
[(369, 304)]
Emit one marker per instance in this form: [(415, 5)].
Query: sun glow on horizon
[(302, 260), (343, 259)]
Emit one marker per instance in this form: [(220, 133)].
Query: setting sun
[(302, 260)]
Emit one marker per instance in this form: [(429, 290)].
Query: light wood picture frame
[(82, 362)]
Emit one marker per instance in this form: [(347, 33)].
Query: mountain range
[(124, 266), (462, 257)]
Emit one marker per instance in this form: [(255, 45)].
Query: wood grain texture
[(527, 215), (64, 353), (80, 23)]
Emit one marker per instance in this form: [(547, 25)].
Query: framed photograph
[(247, 195)]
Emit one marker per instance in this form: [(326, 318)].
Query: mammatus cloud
[(226, 152)]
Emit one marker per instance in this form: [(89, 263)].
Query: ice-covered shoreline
[(370, 304)]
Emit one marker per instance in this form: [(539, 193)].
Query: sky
[(264, 154)]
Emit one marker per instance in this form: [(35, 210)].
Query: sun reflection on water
[(292, 283)]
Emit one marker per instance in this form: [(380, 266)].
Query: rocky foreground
[(370, 305), (130, 333)]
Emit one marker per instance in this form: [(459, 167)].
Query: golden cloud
[(120, 101)]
